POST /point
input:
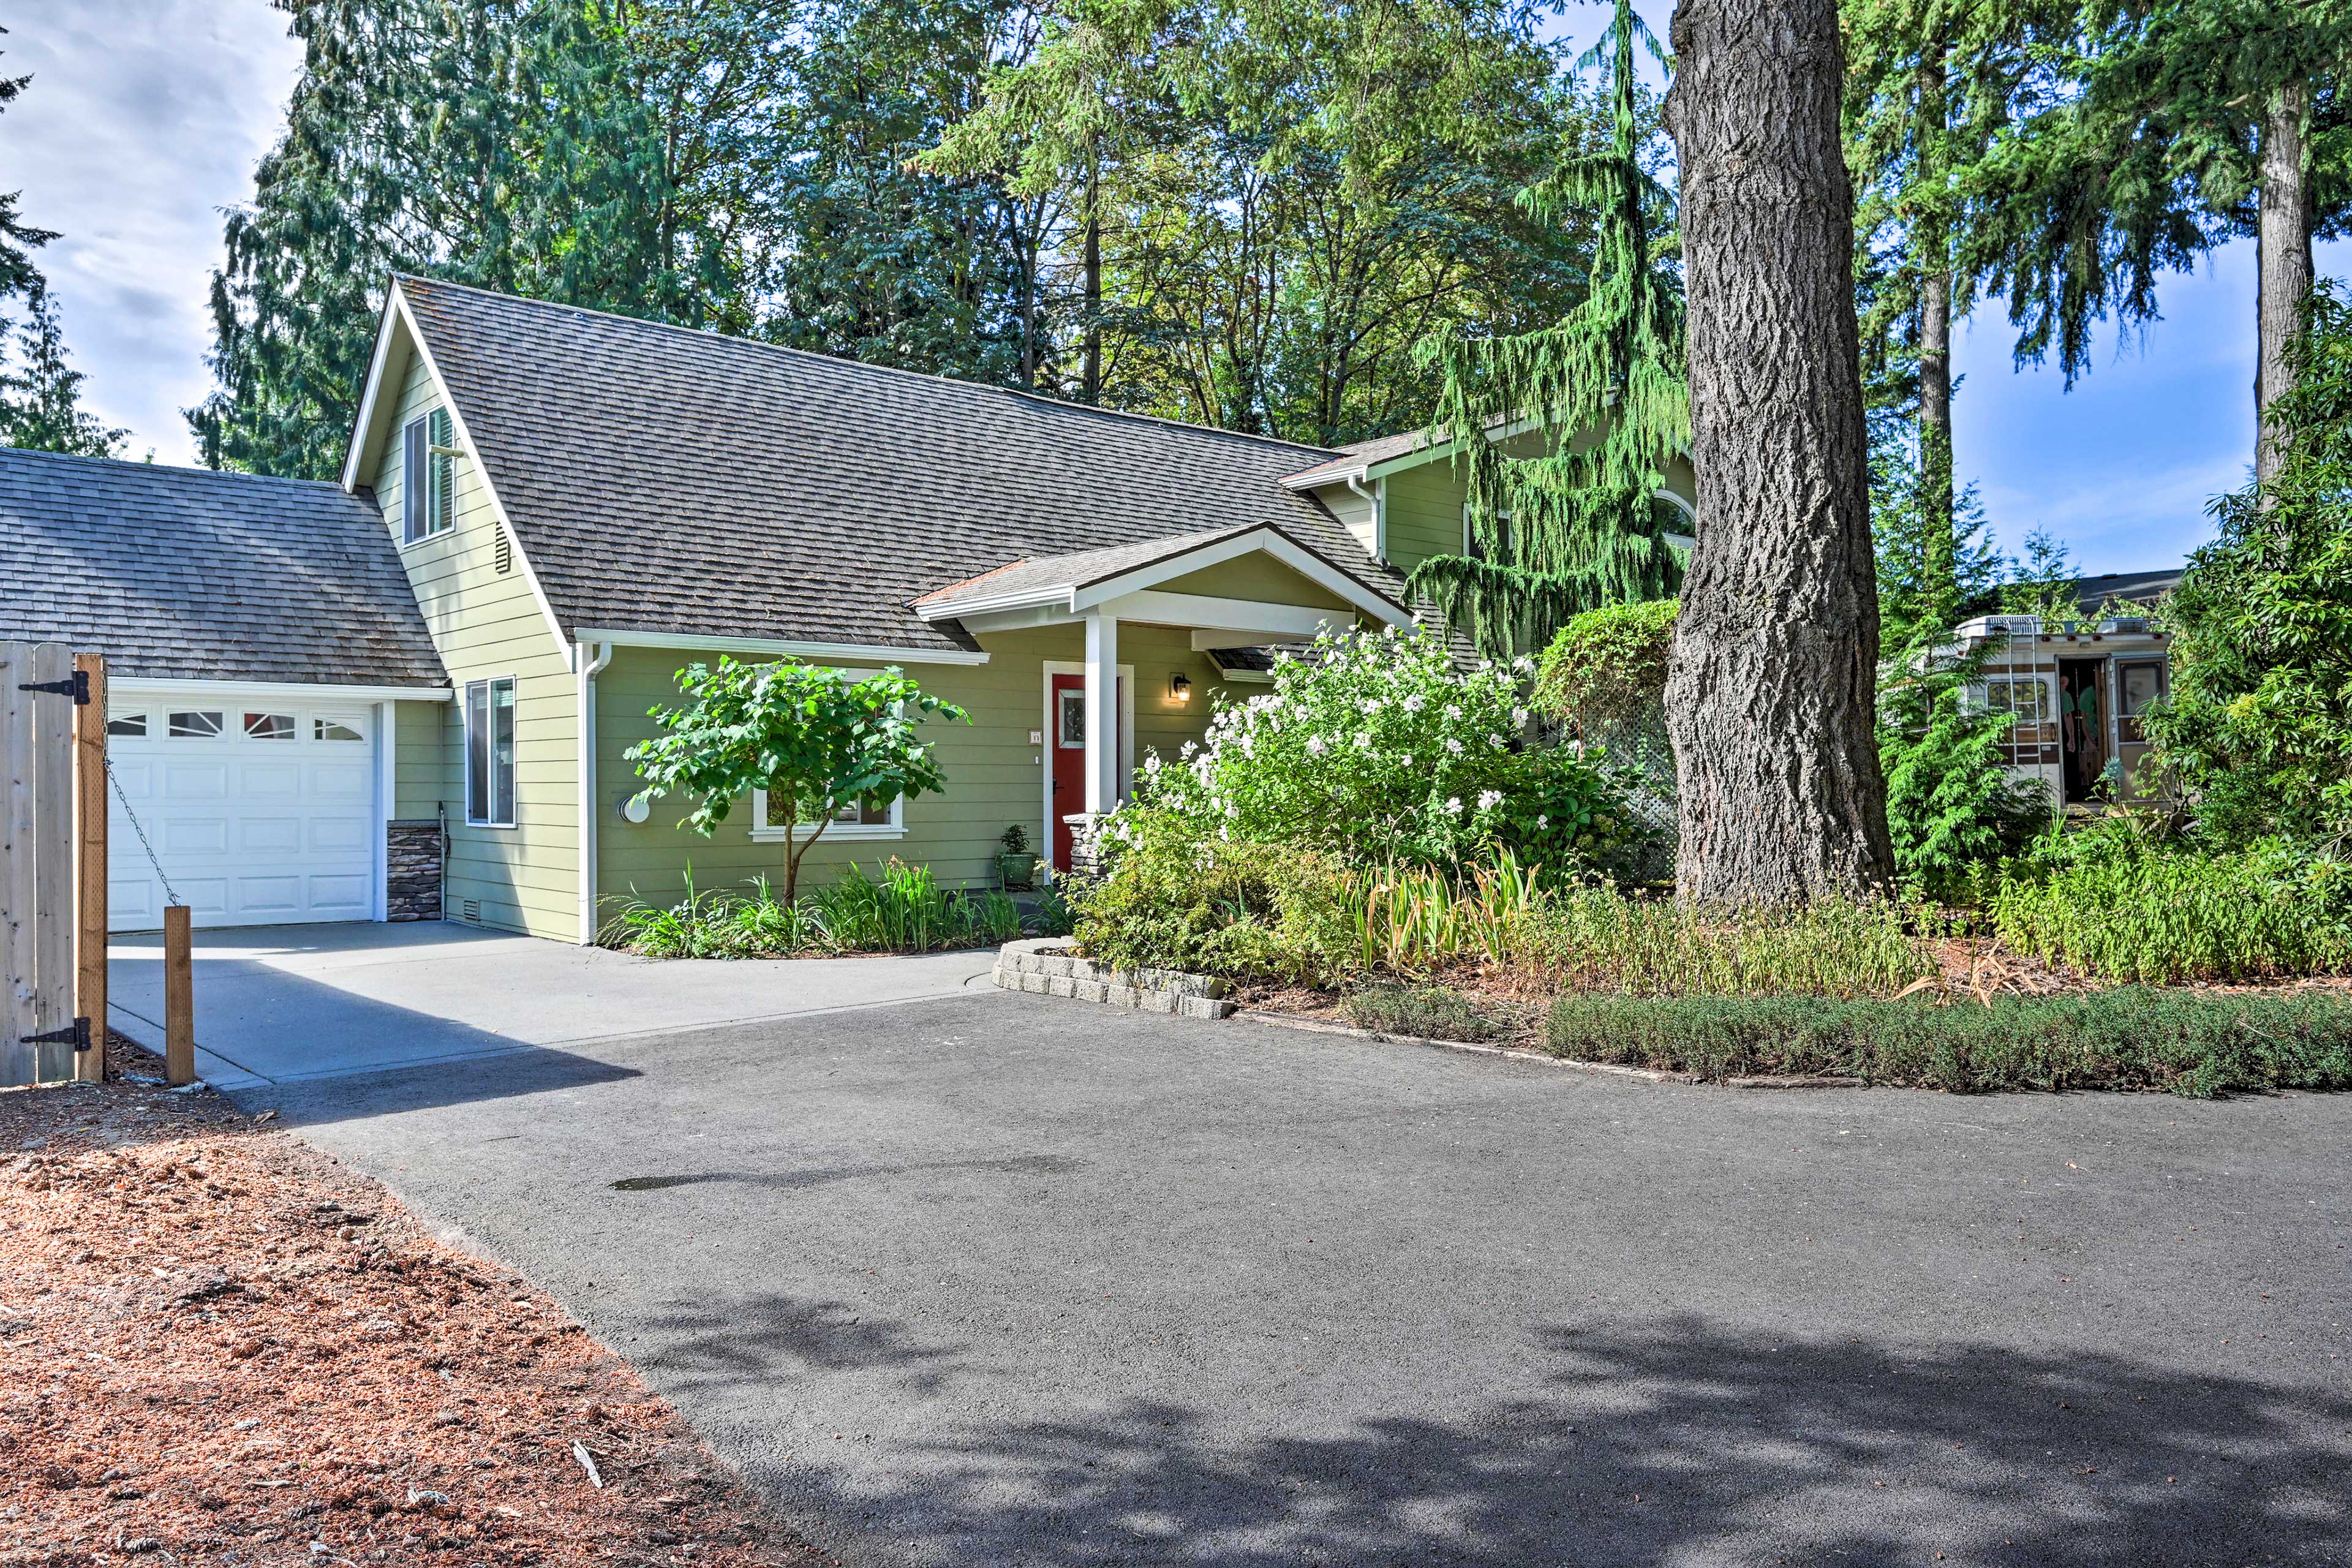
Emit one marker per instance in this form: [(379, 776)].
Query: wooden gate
[(50, 700)]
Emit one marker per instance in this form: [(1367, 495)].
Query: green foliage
[(40, 392), (18, 239), (1427, 1012), (1607, 667), (2187, 1044), (1374, 749), (816, 741), (2121, 905), (1953, 809), (898, 909), (2258, 729), (1597, 938), (1578, 526), (1176, 900), (903, 909), (1248, 211)]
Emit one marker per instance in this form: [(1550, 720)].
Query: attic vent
[(472, 909), (501, 551)]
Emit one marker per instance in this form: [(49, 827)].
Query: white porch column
[(1102, 712)]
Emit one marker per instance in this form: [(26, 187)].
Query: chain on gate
[(171, 895)]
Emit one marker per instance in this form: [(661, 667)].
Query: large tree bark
[(1931, 234), (2283, 242), (1771, 691)]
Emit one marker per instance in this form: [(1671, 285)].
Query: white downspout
[(588, 658), (1376, 498)]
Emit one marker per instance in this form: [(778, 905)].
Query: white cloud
[(144, 119)]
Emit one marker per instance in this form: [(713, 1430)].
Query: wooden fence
[(52, 908)]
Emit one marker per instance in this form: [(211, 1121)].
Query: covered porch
[(1228, 590)]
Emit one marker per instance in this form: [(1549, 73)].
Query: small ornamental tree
[(816, 741)]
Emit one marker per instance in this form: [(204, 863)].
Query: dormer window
[(428, 465)]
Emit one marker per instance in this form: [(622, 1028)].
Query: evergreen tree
[(40, 392), (2162, 127), (1575, 526), (590, 153), (18, 239)]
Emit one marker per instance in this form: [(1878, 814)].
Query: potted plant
[(1016, 866)]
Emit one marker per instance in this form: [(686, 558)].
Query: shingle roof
[(2092, 594), (1357, 456), (1075, 570), (190, 574), (665, 479)]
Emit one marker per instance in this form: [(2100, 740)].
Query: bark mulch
[(218, 1345)]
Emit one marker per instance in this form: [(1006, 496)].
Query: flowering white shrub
[(1376, 748)]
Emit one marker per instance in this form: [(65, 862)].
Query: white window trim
[(449, 520), (466, 753), (868, 831), (863, 832)]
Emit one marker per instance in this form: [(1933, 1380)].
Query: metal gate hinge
[(76, 1033), (76, 686)]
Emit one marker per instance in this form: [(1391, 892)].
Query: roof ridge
[(1048, 401), (192, 470)]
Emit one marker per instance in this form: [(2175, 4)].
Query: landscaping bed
[(219, 1345)]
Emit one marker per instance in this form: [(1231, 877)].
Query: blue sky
[(145, 117)]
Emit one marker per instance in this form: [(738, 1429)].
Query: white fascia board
[(298, 690), (1273, 622), (481, 473), (363, 426), (1056, 596), (1269, 541), (873, 653)]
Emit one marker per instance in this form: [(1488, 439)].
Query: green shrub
[(1377, 749), (2195, 1043), (2125, 907), (904, 910), (1597, 938), (1431, 1012), (900, 909), (1606, 670), (1176, 900)]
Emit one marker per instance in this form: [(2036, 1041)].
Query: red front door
[(1067, 740)]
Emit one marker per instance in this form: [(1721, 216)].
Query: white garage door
[(262, 812)]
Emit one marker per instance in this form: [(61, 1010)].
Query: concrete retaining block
[(1045, 966)]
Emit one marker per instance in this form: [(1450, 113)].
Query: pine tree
[(40, 392), (18, 239), (1554, 535)]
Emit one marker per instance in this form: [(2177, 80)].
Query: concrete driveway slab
[(281, 1004), (992, 1280)]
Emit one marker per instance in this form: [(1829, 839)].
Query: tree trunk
[(1931, 235), (2284, 262), (1092, 262), (1772, 690)]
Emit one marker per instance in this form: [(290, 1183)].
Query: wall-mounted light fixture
[(1179, 687)]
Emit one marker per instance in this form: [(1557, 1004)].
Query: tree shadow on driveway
[(1675, 1441)]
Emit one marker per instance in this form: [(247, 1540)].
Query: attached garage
[(276, 708)]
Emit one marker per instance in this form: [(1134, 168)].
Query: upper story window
[(428, 467)]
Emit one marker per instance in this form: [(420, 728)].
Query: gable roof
[(1358, 459), (662, 479), (2092, 594), (1067, 578), (185, 574)]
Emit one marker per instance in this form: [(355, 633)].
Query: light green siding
[(488, 622), (1355, 511), (1424, 513), (995, 777), (420, 759), (1258, 578)]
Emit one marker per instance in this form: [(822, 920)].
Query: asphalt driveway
[(993, 1279), (284, 1004)]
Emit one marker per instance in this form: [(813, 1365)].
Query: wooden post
[(179, 999), (53, 962), (19, 836), (89, 867)]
